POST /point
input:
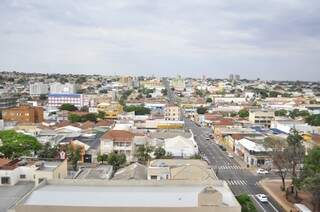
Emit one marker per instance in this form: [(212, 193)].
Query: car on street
[(230, 155), (207, 138), (222, 147), (262, 198), (262, 171)]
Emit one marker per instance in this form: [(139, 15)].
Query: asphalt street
[(239, 179)]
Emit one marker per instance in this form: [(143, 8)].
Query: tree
[(281, 112), (102, 158), (164, 92), (202, 110), (313, 120), (295, 150), (116, 160), (89, 117), (143, 154), (309, 179), (68, 107), (138, 110), (159, 153), (15, 145), (73, 156), (74, 118), (48, 151), (280, 157), (43, 97), (209, 100), (101, 114), (243, 113), (246, 203)]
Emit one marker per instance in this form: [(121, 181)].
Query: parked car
[(262, 198), (207, 138), (262, 171), (222, 148), (230, 155)]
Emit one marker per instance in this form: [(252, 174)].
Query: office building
[(38, 88)]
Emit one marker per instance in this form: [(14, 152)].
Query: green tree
[(164, 92), (295, 150), (138, 110), (48, 151), (116, 160), (73, 156), (43, 97), (243, 113), (15, 145), (143, 154), (89, 117), (102, 158), (159, 153), (74, 118), (202, 110), (209, 100), (101, 114), (313, 120), (309, 179), (246, 203), (68, 107), (281, 112), (84, 109)]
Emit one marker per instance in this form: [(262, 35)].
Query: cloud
[(253, 38)]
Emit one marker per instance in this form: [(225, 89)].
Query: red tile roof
[(118, 135)]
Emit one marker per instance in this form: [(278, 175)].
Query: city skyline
[(270, 40)]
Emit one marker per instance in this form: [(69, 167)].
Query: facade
[(261, 117), (252, 153), (56, 100), (172, 113), (118, 141), (38, 88), (178, 84), (59, 88), (23, 114), (180, 146)]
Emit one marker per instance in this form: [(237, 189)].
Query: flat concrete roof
[(116, 196)]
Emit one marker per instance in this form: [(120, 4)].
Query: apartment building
[(261, 117), (23, 114), (38, 88), (172, 113), (7, 102), (56, 100), (118, 141), (59, 88)]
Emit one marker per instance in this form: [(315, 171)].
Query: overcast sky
[(269, 39)]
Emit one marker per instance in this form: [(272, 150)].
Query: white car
[(230, 155), (262, 171), (262, 198)]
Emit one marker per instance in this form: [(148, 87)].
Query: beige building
[(172, 113), (129, 196), (261, 117)]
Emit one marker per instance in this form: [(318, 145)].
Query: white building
[(59, 88), (38, 88), (78, 100), (180, 146), (261, 117)]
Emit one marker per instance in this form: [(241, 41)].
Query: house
[(172, 113), (13, 171), (118, 141), (135, 171)]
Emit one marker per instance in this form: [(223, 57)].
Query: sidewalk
[(272, 187)]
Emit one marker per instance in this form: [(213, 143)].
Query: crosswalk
[(237, 182), (229, 167)]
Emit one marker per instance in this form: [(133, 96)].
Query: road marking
[(274, 208), (236, 182)]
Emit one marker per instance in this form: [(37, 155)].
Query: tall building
[(237, 77), (58, 88), (231, 77), (38, 88), (56, 100)]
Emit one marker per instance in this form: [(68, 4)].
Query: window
[(5, 180), (153, 177), (22, 176)]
